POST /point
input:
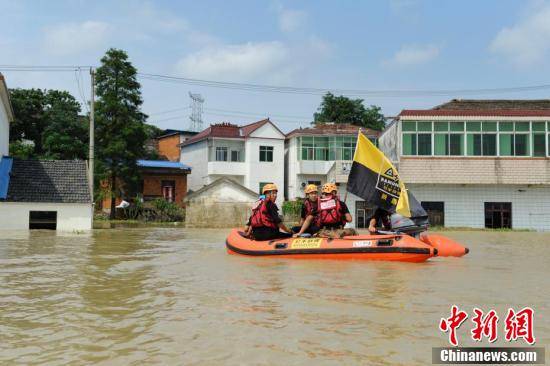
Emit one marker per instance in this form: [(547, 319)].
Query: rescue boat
[(397, 247)]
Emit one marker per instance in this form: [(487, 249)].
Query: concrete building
[(45, 194), (322, 154), (251, 155), (476, 163), (223, 203), (6, 116)]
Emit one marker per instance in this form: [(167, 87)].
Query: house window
[(315, 182), (327, 148), (266, 153), (235, 155), (363, 213), (221, 153), (168, 190), (436, 212), (498, 215), (43, 220)]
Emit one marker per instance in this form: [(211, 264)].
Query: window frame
[(224, 150), (266, 150)]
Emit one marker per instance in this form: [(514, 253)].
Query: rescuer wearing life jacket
[(265, 223), (333, 214), (380, 219), (308, 217)]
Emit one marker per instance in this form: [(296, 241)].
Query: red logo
[(452, 323), (520, 325), (485, 325)]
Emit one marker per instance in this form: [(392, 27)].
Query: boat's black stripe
[(406, 250)]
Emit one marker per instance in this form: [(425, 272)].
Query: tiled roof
[(492, 104), (227, 130), (332, 129), (63, 181), (486, 108), (476, 112), (162, 164)]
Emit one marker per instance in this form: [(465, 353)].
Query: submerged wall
[(217, 215)]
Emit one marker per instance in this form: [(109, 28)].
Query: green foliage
[(345, 110), (167, 211), (22, 150), (120, 125), (51, 120), (292, 207)]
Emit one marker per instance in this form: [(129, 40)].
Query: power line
[(169, 111), (291, 89)]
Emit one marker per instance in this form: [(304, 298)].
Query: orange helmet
[(310, 188), (329, 188), (269, 187)]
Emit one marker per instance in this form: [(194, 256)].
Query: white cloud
[(73, 38), (291, 20), (414, 55), (526, 43), (246, 61)]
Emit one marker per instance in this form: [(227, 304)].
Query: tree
[(50, 120), (345, 110), (120, 125)]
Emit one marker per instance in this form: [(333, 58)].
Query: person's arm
[(372, 226), (305, 225), (345, 211), (284, 228)]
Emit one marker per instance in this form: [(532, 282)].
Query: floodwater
[(173, 296)]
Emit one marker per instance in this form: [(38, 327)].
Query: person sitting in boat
[(265, 223), (380, 219), (308, 217), (333, 214)]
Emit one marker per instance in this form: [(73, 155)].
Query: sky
[(367, 45)]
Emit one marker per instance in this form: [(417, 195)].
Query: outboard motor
[(412, 226)]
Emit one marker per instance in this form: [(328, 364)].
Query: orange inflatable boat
[(445, 247), (397, 247)]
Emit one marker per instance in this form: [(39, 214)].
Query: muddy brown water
[(173, 296)]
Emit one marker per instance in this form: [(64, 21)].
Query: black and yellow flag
[(374, 178)]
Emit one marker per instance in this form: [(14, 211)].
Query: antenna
[(196, 112)]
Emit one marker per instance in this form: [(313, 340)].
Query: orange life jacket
[(330, 211), (260, 216)]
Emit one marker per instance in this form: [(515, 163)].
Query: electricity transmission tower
[(196, 112)]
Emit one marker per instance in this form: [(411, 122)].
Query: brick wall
[(152, 186), (168, 147), (475, 170)]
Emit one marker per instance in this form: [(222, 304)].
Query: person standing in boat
[(308, 218), (333, 214), (265, 223), (380, 219)]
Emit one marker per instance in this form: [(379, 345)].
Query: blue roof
[(162, 164), (5, 169)]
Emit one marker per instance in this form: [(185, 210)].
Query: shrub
[(292, 207), (167, 211)]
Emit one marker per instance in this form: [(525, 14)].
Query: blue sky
[(375, 45)]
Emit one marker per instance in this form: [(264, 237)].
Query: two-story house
[(321, 154), (476, 163), (6, 115), (251, 155)]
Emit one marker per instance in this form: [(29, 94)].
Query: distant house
[(476, 163), (168, 143), (44, 194), (160, 179), (223, 203), (251, 155), (321, 154)]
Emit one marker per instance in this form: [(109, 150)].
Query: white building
[(6, 116), (40, 194), (476, 163), (251, 155), (322, 154)]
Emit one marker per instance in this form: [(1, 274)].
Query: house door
[(363, 212), (169, 190), (498, 215), (436, 212)]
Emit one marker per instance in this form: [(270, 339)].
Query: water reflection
[(173, 296)]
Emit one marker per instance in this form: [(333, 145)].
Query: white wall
[(70, 216), (196, 156), (464, 205), (4, 130), (265, 171)]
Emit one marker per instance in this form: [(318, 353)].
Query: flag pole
[(346, 194)]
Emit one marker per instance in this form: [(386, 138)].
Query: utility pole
[(92, 137)]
